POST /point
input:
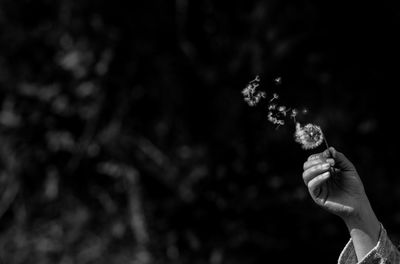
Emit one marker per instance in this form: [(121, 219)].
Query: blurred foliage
[(125, 139)]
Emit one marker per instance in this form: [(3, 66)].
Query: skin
[(334, 185)]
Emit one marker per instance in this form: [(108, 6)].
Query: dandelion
[(309, 136)]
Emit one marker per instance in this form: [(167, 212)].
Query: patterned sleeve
[(383, 253)]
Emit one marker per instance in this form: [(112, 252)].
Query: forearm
[(364, 230)]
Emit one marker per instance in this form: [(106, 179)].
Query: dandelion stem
[(331, 169), (326, 142)]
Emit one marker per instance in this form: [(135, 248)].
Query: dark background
[(124, 137)]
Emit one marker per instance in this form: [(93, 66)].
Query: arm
[(343, 194), (364, 230)]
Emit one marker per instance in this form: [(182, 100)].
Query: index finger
[(310, 163), (314, 156), (322, 155)]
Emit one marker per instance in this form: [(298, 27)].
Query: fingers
[(314, 186), (322, 155), (315, 170), (309, 163), (315, 156), (342, 162)]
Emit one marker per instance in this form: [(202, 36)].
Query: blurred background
[(124, 137)]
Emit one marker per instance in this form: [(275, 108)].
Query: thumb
[(341, 162)]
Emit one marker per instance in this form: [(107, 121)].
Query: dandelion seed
[(274, 119), (251, 96), (293, 114), (278, 80), (282, 110), (271, 117), (274, 97), (248, 91), (309, 136), (252, 101)]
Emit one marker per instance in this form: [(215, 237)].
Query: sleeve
[(383, 253)]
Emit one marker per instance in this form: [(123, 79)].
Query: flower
[(309, 136)]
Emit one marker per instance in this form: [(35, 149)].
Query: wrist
[(364, 222)]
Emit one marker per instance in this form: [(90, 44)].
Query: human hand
[(334, 184)]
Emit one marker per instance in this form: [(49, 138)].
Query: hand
[(334, 183)]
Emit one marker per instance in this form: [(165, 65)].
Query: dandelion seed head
[(309, 136)]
